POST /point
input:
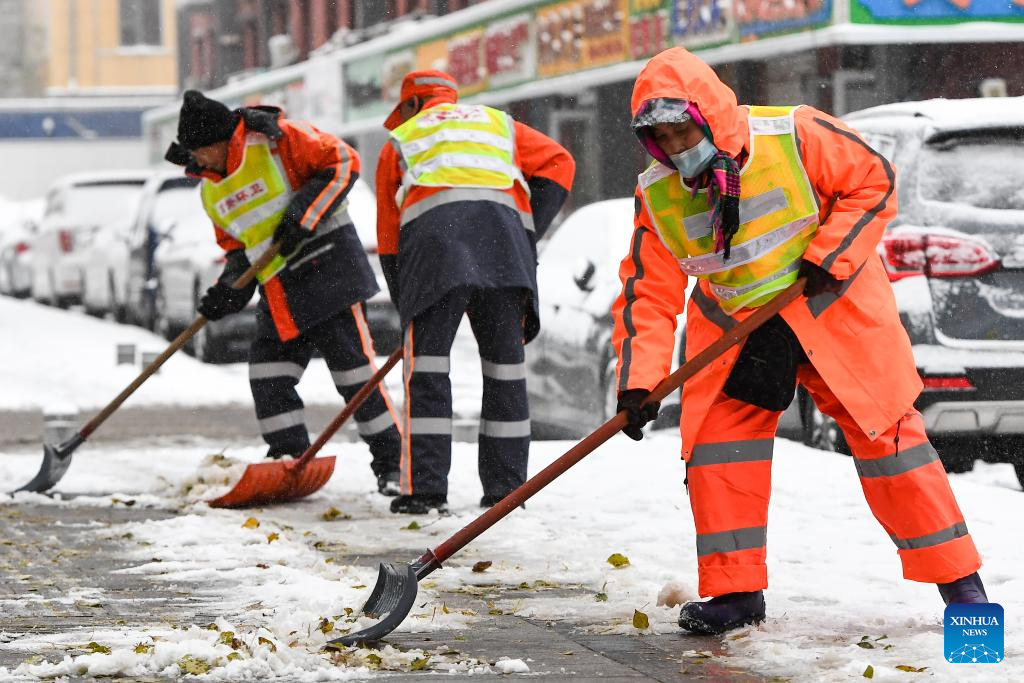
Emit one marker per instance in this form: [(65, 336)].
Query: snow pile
[(607, 548)]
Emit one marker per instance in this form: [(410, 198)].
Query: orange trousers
[(729, 476)]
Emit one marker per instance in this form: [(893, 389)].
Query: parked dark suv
[(955, 255)]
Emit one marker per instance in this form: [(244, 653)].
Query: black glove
[(221, 300), (818, 279), (289, 234), (637, 415)]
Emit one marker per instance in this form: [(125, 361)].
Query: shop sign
[(697, 23), (759, 18), (934, 11), (648, 27), (432, 55), (509, 51), (581, 34), (466, 61)]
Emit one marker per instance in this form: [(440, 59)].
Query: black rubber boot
[(966, 590), (419, 504), (387, 483), (723, 613)]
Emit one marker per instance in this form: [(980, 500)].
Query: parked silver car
[(186, 262), (955, 255), (18, 226), (76, 206)]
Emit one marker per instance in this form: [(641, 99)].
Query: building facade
[(567, 66)]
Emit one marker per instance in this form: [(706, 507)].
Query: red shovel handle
[(691, 367), (350, 407)]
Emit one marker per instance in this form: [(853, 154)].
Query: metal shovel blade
[(392, 598), (276, 482), (56, 461)]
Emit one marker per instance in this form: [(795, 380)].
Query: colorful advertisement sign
[(466, 61), (934, 11), (510, 50), (699, 23), (760, 18), (581, 34), (648, 27)]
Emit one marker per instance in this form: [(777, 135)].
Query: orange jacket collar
[(678, 74)]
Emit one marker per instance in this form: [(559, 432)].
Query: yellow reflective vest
[(250, 202), (458, 146), (778, 216)]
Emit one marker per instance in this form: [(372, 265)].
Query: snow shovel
[(393, 596), (276, 482), (57, 459)]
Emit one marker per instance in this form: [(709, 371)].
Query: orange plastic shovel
[(277, 482)]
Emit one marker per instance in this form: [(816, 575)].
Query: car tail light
[(66, 240), (906, 254), (953, 383), (21, 247)]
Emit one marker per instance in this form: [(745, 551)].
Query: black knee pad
[(765, 372)]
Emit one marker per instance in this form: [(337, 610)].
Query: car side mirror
[(584, 274), (165, 231)]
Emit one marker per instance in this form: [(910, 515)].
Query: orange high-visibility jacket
[(855, 340)]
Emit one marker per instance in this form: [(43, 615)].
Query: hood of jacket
[(678, 74)]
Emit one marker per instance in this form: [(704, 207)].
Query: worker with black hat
[(269, 179)]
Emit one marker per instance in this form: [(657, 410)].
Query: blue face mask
[(691, 162)]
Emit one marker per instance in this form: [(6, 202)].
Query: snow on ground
[(835, 576), (65, 359)]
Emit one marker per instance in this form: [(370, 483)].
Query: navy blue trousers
[(496, 317), (275, 368)]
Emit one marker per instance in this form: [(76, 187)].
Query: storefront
[(567, 67)]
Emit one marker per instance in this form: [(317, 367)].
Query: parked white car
[(187, 261), (18, 227), (76, 207)]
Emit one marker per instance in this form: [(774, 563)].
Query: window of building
[(140, 22)]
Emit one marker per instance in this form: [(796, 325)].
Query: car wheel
[(819, 430)]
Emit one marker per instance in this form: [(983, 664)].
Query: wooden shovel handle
[(350, 407), (178, 342), (582, 449)]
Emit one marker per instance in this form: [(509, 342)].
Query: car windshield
[(102, 203), (987, 174), (178, 205)]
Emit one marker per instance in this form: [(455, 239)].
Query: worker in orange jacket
[(463, 194), (270, 179), (747, 199)]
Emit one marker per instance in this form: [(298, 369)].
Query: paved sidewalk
[(45, 560)]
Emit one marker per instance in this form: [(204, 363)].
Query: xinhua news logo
[(974, 633)]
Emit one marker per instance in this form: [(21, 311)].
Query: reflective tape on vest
[(744, 253), (723, 293), (466, 194)]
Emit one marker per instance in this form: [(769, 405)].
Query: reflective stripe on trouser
[(346, 345), (729, 476), (495, 316), (908, 492)]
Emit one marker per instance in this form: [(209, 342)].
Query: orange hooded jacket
[(854, 339)]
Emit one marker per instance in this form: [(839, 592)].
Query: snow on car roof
[(952, 114), (132, 175)]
